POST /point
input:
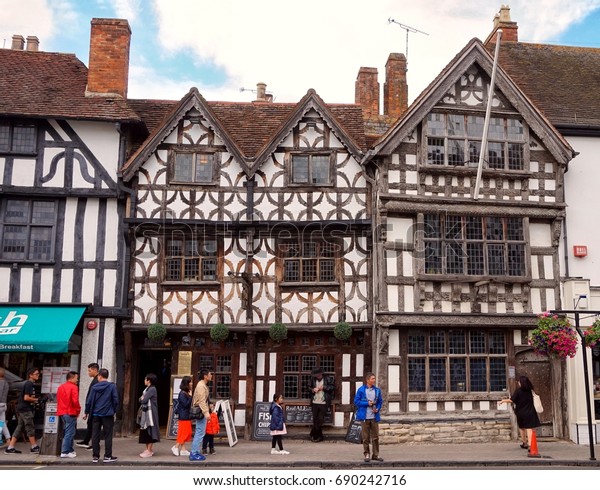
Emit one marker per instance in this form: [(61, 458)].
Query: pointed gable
[(192, 102), (343, 121), (465, 82)]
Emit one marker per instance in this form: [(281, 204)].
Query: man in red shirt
[(68, 409)]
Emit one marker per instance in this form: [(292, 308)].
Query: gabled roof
[(473, 52), (37, 84), (251, 130), (562, 81), (192, 100)]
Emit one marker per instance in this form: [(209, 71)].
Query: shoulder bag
[(537, 402), (196, 413)]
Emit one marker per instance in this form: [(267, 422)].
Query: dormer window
[(18, 138), (311, 169), (455, 140), (193, 167)]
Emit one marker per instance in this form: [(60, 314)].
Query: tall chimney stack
[(261, 92), (366, 92), (395, 88), (18, 42), (108, 72), (33, 43), (510, 29)]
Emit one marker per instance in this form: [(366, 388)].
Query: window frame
[(467, 245), (310, 170), (443, 132), (29, 224), (303, 279), (11, 138), (195, 153), (447, 356), (200, 240), (303, 371)]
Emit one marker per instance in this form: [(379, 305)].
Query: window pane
[(173, 270), (437, 374), (320, 169), (16, 211), (458, 374), (498, 374), (204, 168), (190, 269), (223, 385), (309, 363), (309, 270), (475, 126), (514, 229), (209, 248), (496, 129), (328, 364), (416, 375), (299, 169), (4, 137), (290, 386), (457, 342), (515, 130), (477, 342), (14, 242), (223, 364), (416, 343), (456, 125), (436, 125), (516, 259), (475, 259), (474, 228), (456, 152), (43, 212), (454, 258), (497, 343), (435, 151), (453, 227), (183, 167), (437, 342), (291, 270), (431, 226), (478, 374), (175, 247), (495, 155), (433, 258), (209, 269), (516, 159), (40, 244), (327, 267), (24, 139), (494, 229), (290, 364), (474, 152), (496, 260)]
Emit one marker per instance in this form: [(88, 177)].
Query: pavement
[(329, 454)]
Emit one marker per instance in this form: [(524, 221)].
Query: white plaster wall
[(102, 138), (540, 235), (90, 229), (399, 229), (59, 175), (26, 284)]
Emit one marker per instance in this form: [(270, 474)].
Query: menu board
[(53, 377)]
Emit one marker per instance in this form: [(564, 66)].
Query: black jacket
[(328, 388)]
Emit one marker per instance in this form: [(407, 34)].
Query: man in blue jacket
[(368, 402), (102, 404)]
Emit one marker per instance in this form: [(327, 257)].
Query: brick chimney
[(366, 91), (33, 43), (395, 88), (108, 72), (18, 42), (510, 29)]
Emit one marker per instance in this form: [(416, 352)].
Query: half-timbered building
[(249, 215), (462, 275), (62, 248)]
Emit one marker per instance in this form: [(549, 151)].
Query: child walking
[(212, 429), (184, 426), (277, 425)]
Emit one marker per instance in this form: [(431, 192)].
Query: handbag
[(196, 413), (537, 402)]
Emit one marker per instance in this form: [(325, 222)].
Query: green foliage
[(157, 331), (342, 331), (554, 337), (219, 332), (592, 334), (278, 332)]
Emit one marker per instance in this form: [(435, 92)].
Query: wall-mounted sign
[(580, 250)]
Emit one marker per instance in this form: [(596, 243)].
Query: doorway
[(159, 363)]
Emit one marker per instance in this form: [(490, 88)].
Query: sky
[(224, 46)]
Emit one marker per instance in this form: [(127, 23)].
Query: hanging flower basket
[(219, 332), (157, 331), (342, 331), (554, 337), (592, 334), (278, 332)]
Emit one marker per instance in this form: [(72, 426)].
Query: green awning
[(38, 328)]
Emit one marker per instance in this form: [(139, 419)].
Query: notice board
[(354, 432), (261, 422)]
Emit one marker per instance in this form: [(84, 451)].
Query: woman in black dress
[(527, 417)]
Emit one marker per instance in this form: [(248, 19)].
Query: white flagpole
[(488, 111)]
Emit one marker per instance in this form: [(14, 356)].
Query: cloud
[(18, 20)]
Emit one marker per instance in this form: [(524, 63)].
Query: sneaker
[(367, 458), (95, 460), (110, 459), (84, 444), (175, 451), (72, 454), (197, 457), (275, 451), (377, 458), (212, 451), (35, 449), (283, 451), (12, 450), (205, 451), (184, 452), (146, 454)]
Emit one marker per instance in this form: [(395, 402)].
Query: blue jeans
[(69, 427), (198, 435)]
